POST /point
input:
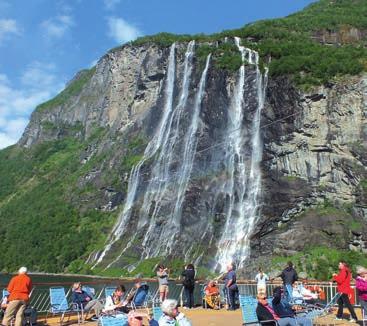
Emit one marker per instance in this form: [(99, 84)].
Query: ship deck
[(207, 317)]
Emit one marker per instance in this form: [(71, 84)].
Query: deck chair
[(116, 320), (60, 306), (141, 297), (89, 290), (157, 313), (108, 290), (315, 311), (79, 308), (248, 306)]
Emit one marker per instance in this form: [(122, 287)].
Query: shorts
[(163, 288)]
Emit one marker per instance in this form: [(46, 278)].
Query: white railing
[(40, 294)]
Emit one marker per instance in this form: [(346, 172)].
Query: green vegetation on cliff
[(40, 225), (291, 45), (72, 89), (320, 262)]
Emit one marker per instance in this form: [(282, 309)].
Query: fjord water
[(172, 152)]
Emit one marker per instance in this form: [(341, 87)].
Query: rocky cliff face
[(193, 181)]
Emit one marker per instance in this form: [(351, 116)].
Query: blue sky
[(43, 43)]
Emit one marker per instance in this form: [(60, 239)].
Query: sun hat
[(22, 270)]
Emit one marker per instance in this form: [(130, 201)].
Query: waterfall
[(150, 150), (180, 179), (244, 178)]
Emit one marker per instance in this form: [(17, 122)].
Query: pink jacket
[(361, 286)]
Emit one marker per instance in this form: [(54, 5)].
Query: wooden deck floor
[(204, 317)]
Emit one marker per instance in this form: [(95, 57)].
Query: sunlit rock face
[(233, 166)]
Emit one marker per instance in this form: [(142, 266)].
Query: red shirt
[(20, 287), (343, 280), (210, 290)]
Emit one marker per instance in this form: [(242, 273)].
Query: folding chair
[(89, 290), (108, 290), (79, 307), (157, 313), (141, 297), (315, 311), (59, 304), (248, 306), (116, 320)]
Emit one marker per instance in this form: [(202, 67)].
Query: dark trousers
[(232, 293), (344, 301), (189, 296)]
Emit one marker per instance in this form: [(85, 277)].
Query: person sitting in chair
[(84, 301), (115, 302), (138, 293), (283, 309), (283, 317), (212, 296)]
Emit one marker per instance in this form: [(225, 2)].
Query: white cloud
[(8, 28), (58, 26), (121, 31), (111, 4), (38, 83), (6, 141)]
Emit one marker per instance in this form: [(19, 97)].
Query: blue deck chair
[(59, 304), (5, 293), (116, 320), (89, 290), (141, 297), (315, 310), (157, 313), (248, 306), (108, 290), (79, 308)]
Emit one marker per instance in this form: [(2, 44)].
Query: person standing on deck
[(343, 281), (261, 279), (19, 287), (231, 286), (289, 276), (162, 274)]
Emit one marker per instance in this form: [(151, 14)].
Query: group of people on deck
[(280, 307), (282, 310)]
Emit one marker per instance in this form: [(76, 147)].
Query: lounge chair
[(115, 320), (59, 304), (141, 297), (248, 306), (157, 313)]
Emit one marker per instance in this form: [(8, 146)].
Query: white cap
[(22, 270)]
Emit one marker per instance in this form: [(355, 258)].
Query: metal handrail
[(40, 294)]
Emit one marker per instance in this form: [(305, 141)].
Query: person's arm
[(277, 296), (339, 278), (30, 286), (11, 285), (295, 276)]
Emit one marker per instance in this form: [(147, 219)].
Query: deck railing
[(41, 301)]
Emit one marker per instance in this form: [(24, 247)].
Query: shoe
[(94, 318), (337, 318), (352, 320)]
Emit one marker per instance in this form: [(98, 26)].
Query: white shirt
[(261, 280)]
